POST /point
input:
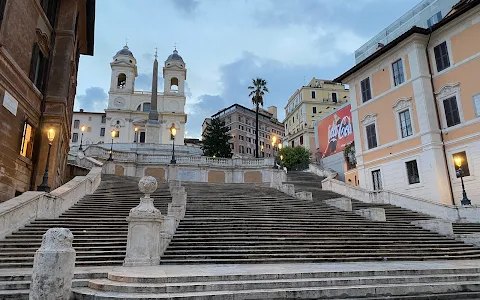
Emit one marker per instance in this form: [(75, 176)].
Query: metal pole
[(465, 200), (44, 186), (81, 140), (173, 161), (110, 158)]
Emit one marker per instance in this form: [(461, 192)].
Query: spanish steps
[(235, 224)]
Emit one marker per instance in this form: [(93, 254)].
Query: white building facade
[(128, 110), (94, 132)]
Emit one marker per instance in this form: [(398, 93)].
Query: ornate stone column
[(53, 266), (144, 228)]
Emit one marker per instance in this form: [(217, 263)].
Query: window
[(76, 124), (334, 98), (75, 137), (371, 136), (398, 77), (27, 141), (2, 10), (38, 66), (50, 9), (142, 137), (313, 94), (365, 87), (314, 109), (102, 131), (434, 19), (441, 56), (301, 140), (377, 180), (464, 166), (412, 172), (146, 107), (104, 119), (452, 114), (405, 123)]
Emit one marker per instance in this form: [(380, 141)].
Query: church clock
[(119, 102)]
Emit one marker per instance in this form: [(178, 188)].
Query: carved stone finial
[(147, 185), (57, 239)]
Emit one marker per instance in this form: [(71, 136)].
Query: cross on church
[(156, 52), (175, 46), (126, 41)]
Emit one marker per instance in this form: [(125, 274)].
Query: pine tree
[(216, 140)]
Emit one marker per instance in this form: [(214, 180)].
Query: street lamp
[(81, 139), (110, 158), (173, 133), (458, 162), (44, 186), (135, 139)]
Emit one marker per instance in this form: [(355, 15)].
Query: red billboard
[(334, 132)]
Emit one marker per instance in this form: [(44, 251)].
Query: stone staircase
[(97, 222), (246, 223), (310, 182)]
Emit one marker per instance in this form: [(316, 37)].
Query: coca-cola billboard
[(334, 132)]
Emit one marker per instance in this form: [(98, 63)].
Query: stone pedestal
[(179, 203), (288, 189), (169, 226), (277, 179), (303, 195), (439, 226), (374, 213), (144, 227), (341, 203), (152, 132), (53, 266)]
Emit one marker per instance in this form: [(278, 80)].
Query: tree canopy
[(296, 158), (216, 141)]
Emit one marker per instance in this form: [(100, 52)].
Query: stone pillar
[(179, 203), (288, 189), (373, 213), (341, 203), (277, 179), (53, 266), (144, 224)]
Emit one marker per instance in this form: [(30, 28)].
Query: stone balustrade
[(465, 214), (21, 210)]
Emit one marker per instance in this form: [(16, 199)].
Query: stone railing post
[(53, 266), (179, 203), (144, 224)]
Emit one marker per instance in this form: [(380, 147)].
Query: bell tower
[(174, 75)]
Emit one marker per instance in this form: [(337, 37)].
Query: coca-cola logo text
[(339, 131)]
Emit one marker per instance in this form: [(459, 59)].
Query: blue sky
[(225, 43)]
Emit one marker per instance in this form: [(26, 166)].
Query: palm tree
[(258, 90)]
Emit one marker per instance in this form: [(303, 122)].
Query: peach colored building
[(416, 106)]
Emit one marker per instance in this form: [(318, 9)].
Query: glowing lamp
[(51, 134)]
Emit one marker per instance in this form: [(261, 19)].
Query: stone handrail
[(465, 214), (328, 173), (150, 158), (21, 210)]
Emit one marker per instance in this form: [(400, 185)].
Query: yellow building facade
[(416, 108), (309, 103)]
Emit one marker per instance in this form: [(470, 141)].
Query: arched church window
[(122, 80), (174, 84)]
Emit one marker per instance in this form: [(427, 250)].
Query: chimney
[(273, 110), (380, 46), (81, 110)]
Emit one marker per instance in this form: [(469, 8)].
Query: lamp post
[(81, 139), (44, 186), (110, 158), (281, 161), (263, 154), (173, 133), (458, 162), (135, 138)]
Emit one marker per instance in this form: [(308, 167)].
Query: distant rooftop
[(423, 15)]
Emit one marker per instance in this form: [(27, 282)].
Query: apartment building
[(307, 104), (241, 121), (416, 107), (93, 123), (40, 46)]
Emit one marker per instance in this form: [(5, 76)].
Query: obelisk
[(152, 127)]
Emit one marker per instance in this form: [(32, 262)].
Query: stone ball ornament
[(147, 185)]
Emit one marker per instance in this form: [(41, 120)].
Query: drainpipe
[(438, 119)]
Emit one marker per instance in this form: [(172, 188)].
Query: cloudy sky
[(225, 43)]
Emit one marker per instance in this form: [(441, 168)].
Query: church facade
[(146, 117)]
